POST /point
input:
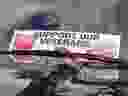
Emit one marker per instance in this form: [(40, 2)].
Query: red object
[(103, 55), (23, 41)]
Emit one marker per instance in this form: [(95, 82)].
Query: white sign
[(50, 40)]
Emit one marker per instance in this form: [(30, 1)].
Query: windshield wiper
[(33, 52), (122, 63)]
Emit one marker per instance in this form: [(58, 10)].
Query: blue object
[(40, 22)]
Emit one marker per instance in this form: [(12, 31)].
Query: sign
[(78, 41)]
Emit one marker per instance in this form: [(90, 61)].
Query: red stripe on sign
[(103, 55), (23, 41)]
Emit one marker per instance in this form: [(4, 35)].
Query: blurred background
[(86, 15)]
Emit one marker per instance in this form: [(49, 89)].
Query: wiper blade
[(54, 54), (58, 54), (33, 52)]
